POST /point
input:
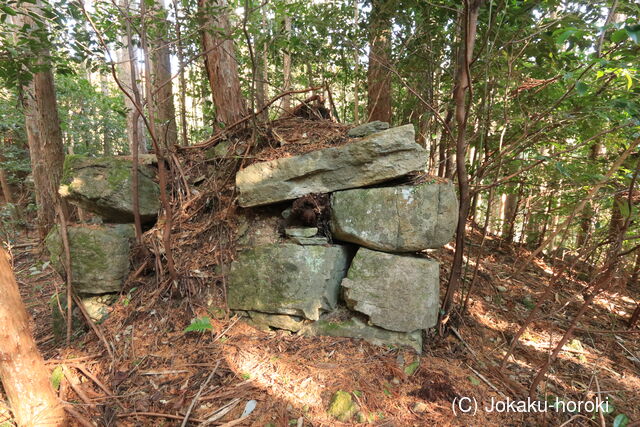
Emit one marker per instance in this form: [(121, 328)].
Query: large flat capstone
[(397, 292), (396, 219), (287, 279), (376, 158), (99, 256), (102, 185)]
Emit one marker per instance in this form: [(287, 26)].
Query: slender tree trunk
[(510, 211), (43, 130), (107, 149), (264, 77), (634, 317), (587, 218), (443, 152), (633, 280), (259, 79), (286, 64), (463, 84), (161, 78), (24, 376), (356, 69), (220, 62), (4, 185), (181, 80), (378, 73), (128, 75)]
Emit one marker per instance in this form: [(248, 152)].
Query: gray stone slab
[(102, 185), (398, 292), (376, 158), (396, 219), (355, 328), (367, 129), (99, 256), (287, 279)]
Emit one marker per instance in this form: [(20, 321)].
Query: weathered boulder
[(376, 158), (257, 228), (367, 129), (287, 279), (397, 292), (99, 256), (102, 185), (355, 328), (98, 309), (396, 219), (265, 321)]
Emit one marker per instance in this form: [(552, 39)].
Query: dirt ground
[(156, 371)]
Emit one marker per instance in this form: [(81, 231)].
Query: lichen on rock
[(102, 185), (100, 256), (287, 279)]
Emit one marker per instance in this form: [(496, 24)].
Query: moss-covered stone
[(342, 406), (103, 186), (398, 292), (99, 256), (396, 219), (287, 279)]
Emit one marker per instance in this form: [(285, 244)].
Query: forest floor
[(157, 370)]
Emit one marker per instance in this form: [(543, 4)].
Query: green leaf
[(563, 36), (201, 324), (624, 208), (621, 420), (560, 168), (56, 377), (8, 10), (629, 80), (581, 88), (474, 380), (411, 368), (634, 32), (608, 408), (619, 35)]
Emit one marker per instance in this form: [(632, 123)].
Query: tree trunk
[(181, 80), (4, 186), (107, 149), (510, 211), (24, 376), (463, 84), (259, 79), (378, 73), (262, 88), (356, 69), (162, 92), (220, 62), (128, 75), (286, 65), (43, 130), (587, 218)]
